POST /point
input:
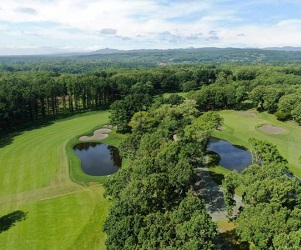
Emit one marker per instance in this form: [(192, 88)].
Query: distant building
[(163, 64)]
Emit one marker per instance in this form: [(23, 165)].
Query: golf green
[(239, 126)]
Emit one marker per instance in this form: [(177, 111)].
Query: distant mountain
[(114, 58), (106, 51), (154, 57), (113, 51), (285, 48)]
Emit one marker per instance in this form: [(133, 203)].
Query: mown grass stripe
[(34, 178)]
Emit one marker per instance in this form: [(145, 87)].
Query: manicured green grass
[(34, 178), (75, 171), (225, 225), (218, 173), (240, 126)]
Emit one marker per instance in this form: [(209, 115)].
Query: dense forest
[(28, 96), (103, 59), (154, 206), (155, 203)]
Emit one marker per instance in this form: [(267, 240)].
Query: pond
[(231, 157), (98, 159)]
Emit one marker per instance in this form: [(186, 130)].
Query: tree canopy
[(154, 206), (271, 200)]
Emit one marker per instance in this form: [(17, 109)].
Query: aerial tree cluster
[(33, 94), (153, 203), (27, 96), (123, 110), (270, 217), (275, 89)]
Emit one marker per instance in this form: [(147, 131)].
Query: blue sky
[(48, 26)]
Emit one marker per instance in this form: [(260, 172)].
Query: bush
[(281, 116)]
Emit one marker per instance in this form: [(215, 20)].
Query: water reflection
[(98, 159), (231, 157)]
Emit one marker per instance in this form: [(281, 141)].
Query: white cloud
[(108, 31), (263, 36), (25, 10), (289, 23), (96, 15), (129, 24)]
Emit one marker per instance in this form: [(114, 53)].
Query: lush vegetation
[(26, 97), (100, 60), (270, 216), (31, 96), (272, 89), (155, 203)]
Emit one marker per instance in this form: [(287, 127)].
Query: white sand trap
[(245, 113), (220, 128), (99, 134), (271, 129), (107, 126)]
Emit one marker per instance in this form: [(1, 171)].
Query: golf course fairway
[(46, 205), (40, 207)]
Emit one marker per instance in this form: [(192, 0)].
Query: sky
[(55, 26)]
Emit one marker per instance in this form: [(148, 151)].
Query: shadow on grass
[(7, 135), (230, 240), (213, 158), (6, 140), (218, 178), (9, 220)]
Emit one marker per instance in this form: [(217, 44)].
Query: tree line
[(33, 95), (81, 63), (275, 89), (28, 96)]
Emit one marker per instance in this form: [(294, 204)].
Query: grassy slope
[(34, 178), (239, 128)]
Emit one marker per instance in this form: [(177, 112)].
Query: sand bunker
[(245, 113), (221, 128), (107, 126), (99, 134), (271, 129)]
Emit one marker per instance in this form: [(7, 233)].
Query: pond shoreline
[(98, 159), (231, 156)]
